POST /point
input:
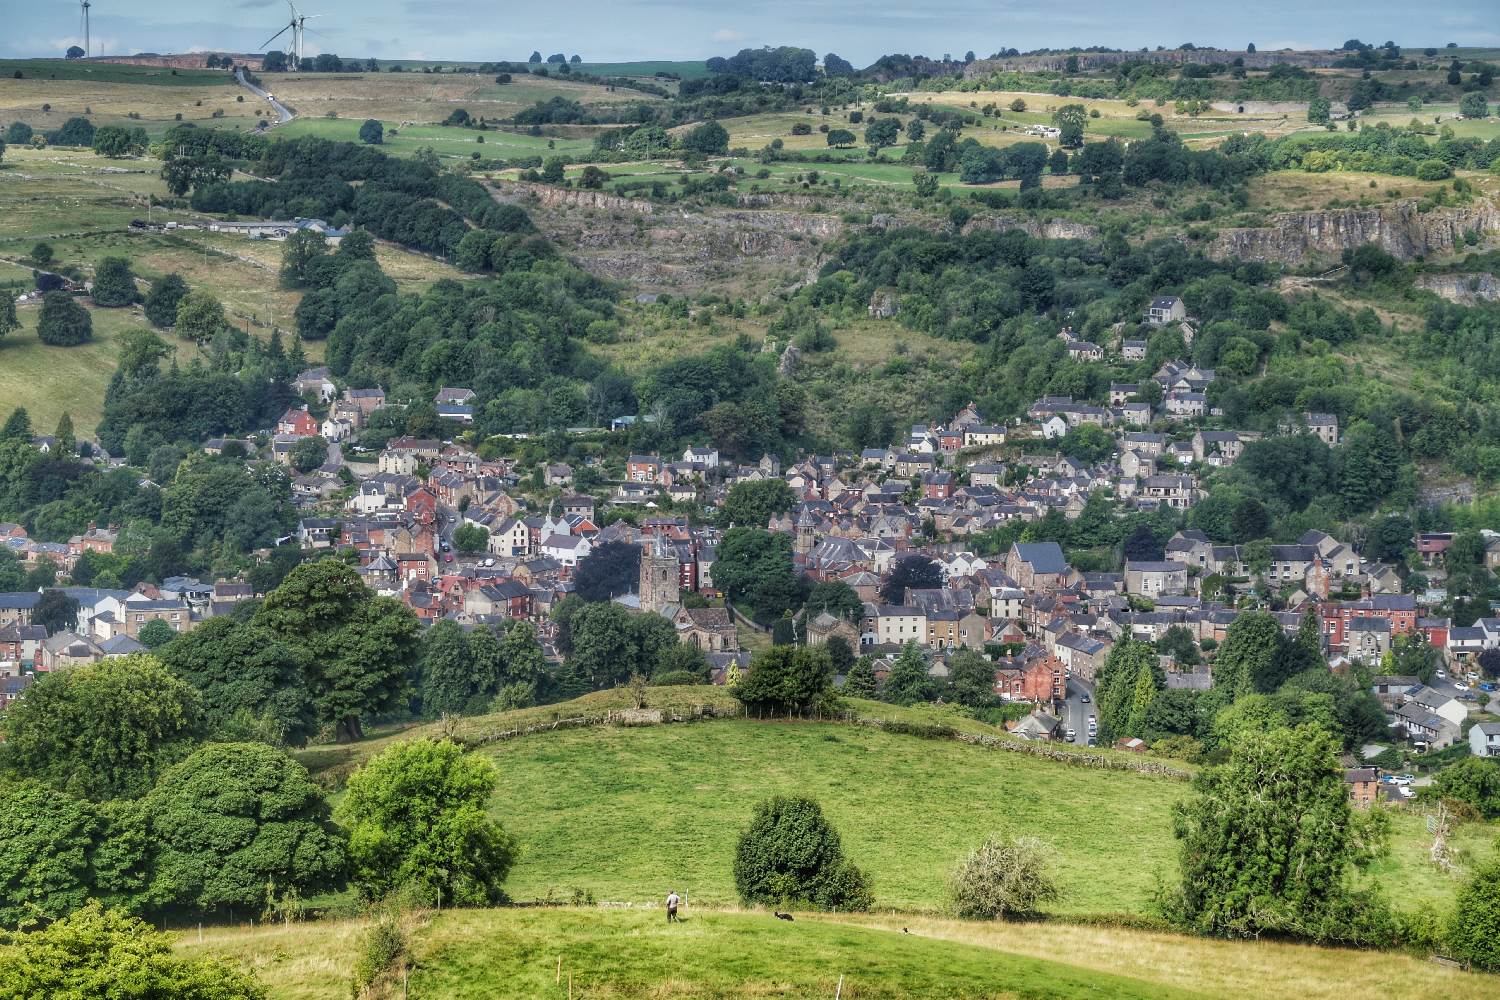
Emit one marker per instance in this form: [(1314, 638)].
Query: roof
[(1043, 557)]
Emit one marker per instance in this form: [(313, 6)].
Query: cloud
[(727, 35)]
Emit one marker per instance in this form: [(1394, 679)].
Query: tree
[(754, 568), (754, 502), (372, 132), (416, 816), (17, 426), (925, 185), (710, 139), (1294, 876), (608, 571), (882, 132), (913, 572), (1318, 111), (1473, 931), (841, 138), (1004, 876), (835, 66), (1120, 685), (41, 253), (162, 301), (553, 168), (114, 284), (1473, 105), (1070, 120), (609, 644), (236, 826), (309, 453), (55, 611), (837, 598), (471, 538), (356, 647), (117, 141), (790, 854), (1249, 659), (103, 730), (156, 634), (971, 679), (74, 52), (244, 670), (786, 679), (8, 320), (1473, 780), (74, 132), (908, 681), (860, 681), (47, 840), (200, 317), (63, 322), (98, 952), (681, 664), (65, 442), (460, 673)]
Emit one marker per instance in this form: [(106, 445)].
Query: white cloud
[(727, 35)]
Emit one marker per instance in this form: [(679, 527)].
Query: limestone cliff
[(1465, 289), (1399, 229)]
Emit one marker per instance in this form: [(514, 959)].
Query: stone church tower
[(659, 577)]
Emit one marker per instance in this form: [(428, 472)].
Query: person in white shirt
[(672, 900)]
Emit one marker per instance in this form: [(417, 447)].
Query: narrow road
[(1076, 716), (283, 113)]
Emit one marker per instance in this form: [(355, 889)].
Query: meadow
[(449, 142), (728, 954)]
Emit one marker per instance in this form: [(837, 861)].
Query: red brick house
[(1398, 609), (299, 422)]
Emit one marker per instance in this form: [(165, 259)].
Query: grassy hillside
[(496, 954)]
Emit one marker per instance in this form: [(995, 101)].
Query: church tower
[(659, 576)]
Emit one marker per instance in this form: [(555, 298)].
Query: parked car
[(1441, 675), (1072, 736), (1487, 686), (1093, 741)]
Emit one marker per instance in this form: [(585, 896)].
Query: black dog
[(782, 916)]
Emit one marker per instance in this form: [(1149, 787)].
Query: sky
[(618, 30)]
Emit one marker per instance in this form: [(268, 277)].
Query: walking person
[(672, 901)]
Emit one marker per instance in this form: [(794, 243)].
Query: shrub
[(1474, 928), (1433, 170), (790, 854), (1003, 877)]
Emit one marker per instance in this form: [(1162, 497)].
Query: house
[(1037, 726), (1153, 579), (1083, 350), (511, 538), (1484, 739), (367, 400), (457, 397), (983, 435), (1393, 691), (1036, 565), (1364, 786), (299, 422), (1186, 404), (1165, 309), (459, 413), (317, 382), (1424, 729), (1323, 426), (643, 469), (896, 625), (1133, 350)]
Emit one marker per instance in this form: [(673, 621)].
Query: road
[(1076, 712), (283, 113)]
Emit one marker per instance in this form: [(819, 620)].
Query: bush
[(1433, 170), (1474, 928), (790, 854), (381, 945), (63, 323), (1003, 877)]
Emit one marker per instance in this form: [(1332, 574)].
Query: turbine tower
[(84, 18), (297, 25)]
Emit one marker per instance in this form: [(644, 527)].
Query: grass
[(447, 142), (103, 72), (49, 381), (670, 801), (495, 954)]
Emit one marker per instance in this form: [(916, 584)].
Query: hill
[(497, 954)]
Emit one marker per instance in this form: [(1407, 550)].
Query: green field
[(688, 69), (448, 142), (669, 802), (516, 953), (94, 71), (49, 381)]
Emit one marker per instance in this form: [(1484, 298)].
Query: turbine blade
[(273, 38)]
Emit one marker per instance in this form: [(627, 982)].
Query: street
[(1076, 712)]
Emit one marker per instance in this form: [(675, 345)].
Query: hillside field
[(614, 953)]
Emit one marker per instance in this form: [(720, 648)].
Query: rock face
[(1465, 289), (760, 246), (1399, 229), (884, 303), (1049, 229)]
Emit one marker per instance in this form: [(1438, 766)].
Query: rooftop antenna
[(83, 16)]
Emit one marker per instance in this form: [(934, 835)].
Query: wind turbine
[(84, 18), (296, 26)]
